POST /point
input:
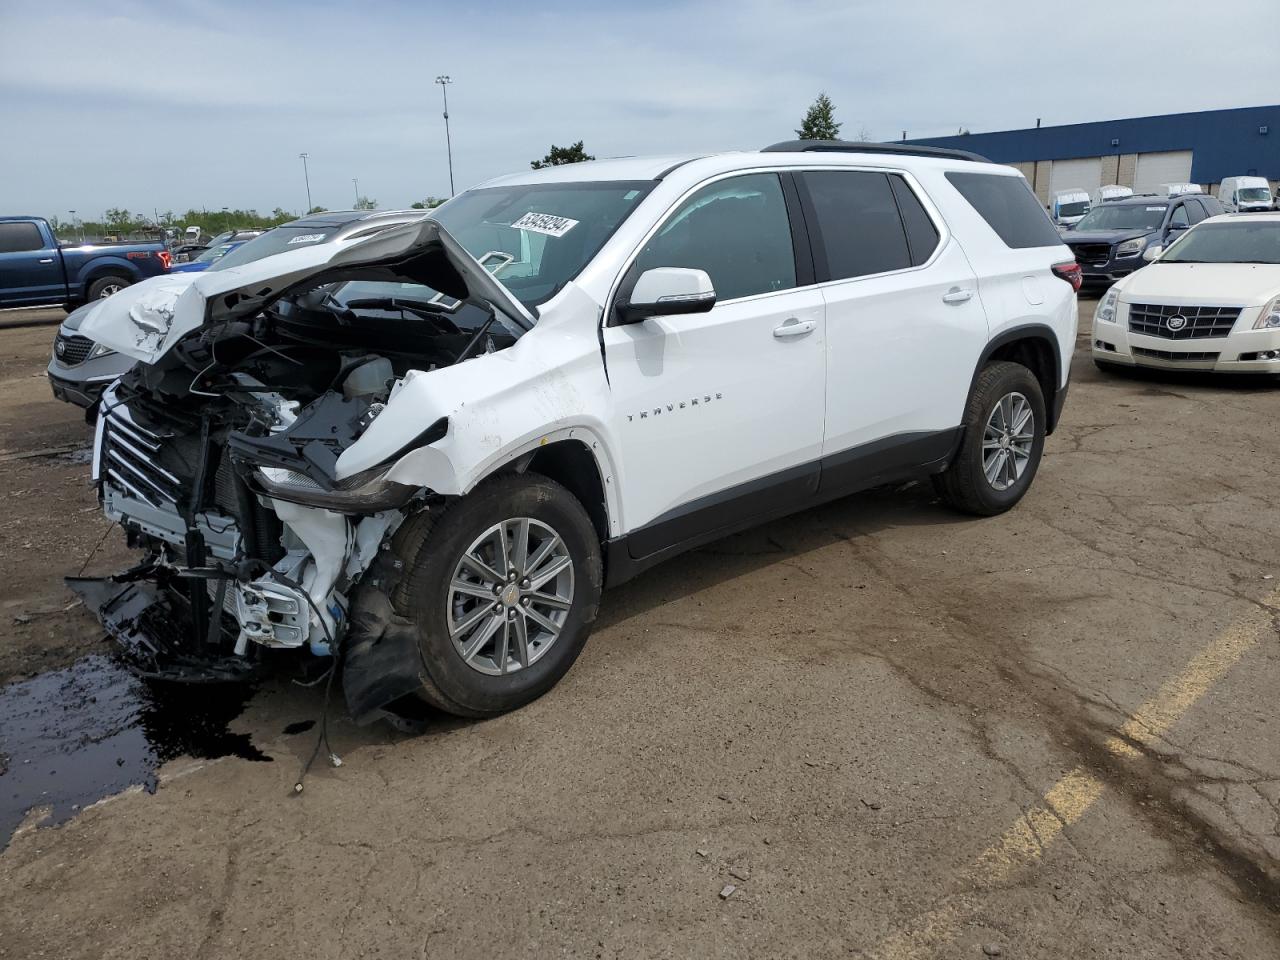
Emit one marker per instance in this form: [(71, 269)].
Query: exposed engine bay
[(220, 462)]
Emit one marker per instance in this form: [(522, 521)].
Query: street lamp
[(355, 183), (307, 177), (76, 226), (444, 81)]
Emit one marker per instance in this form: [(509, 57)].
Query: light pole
[(355, 183), (307, 177), (444, 82), (76, 226)]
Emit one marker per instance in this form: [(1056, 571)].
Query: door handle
[(47, 260), (794, 327), (956, 295)]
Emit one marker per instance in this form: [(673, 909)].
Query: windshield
[(1239, 242), (1076, 208), (288, 237), (1129, 216), (537, 237), (1254, 194), (214, 253), (221, 238)]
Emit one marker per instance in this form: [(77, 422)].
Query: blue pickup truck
[(36, 270)]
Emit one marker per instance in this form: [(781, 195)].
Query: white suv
[(424, 452)]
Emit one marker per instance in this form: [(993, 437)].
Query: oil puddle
[(71, 737)]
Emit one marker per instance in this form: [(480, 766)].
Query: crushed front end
[(218, 454), (230, 570)]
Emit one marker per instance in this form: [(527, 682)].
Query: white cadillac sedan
[(1208, 301)]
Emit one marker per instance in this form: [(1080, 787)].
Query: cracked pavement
[(850, 708)]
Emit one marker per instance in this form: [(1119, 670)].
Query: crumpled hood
[(1226, 284), (145, 320)]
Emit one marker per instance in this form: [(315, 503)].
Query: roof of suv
[(795, 152), (1141, 198)]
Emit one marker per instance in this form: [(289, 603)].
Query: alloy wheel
[(1007, 440), (509, 596)]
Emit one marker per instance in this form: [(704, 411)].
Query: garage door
[(1084, 174), (1157, 168)]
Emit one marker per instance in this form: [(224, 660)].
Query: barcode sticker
[(552, 226)]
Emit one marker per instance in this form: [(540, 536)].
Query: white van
[(1110, 191), (1244, 194), (1069, 206), (1178, 189)]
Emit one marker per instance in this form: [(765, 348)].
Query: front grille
[(1095, 254), (130, 455), (1174, 322), (1177, 355), (73, 349)]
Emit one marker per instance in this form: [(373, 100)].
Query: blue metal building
[(1203, 147)]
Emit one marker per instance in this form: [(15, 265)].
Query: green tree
[(820, 122), (428, 204), (365, 203), (119, 221), (318, 209), (559, 155)]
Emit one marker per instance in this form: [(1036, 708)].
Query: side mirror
[(1152, 252), (667, 291)]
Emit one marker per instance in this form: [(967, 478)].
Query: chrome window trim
[(930, 208)]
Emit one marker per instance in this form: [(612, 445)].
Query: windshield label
[(308, 238), (545, 223), (1155, 209)]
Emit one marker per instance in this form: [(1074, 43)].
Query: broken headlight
[(366, 492)]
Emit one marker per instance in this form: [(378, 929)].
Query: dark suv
[(1109, 241)]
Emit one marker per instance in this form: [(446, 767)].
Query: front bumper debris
[(154, 628)]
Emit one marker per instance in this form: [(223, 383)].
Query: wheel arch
[(1034, 346), (577, 459), (113, 267)]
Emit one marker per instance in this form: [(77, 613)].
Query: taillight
[(1069, 272), (166, 260)]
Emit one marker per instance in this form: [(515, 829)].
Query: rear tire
[(1001, 448), (491, 644), (104, 287)]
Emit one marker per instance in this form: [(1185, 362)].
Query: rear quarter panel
[(1017, 285)]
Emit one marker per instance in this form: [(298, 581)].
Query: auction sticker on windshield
[(307, 238), (552, 226)]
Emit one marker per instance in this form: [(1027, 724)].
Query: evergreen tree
[(820, 122), (558, 155)]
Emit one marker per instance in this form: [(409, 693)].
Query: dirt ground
[(892, 731)]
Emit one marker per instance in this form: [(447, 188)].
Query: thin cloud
[(169, 105)]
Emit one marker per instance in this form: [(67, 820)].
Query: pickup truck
[(36, 270)]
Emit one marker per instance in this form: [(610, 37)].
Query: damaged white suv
[(425, 450)]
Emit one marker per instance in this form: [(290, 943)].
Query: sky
[(177, 104)]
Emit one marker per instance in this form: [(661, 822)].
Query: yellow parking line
[(1068, 800), (1156, 717)]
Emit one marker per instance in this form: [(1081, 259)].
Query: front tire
[(503, 586), (1004, 431)]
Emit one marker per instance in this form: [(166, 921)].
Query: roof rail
[(851, 146)]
